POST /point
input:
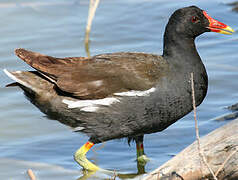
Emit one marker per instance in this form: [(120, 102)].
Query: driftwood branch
[(220, 148)]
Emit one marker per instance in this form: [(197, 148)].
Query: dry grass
[(200, 151), (92, 9)]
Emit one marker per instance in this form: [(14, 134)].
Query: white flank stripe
[(79, 128), (90, 105), (90, 109), (86, 103), (136, 93)]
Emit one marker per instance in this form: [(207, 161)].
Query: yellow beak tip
[(227, 30)]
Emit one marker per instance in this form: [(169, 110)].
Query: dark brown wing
[(99, 76)]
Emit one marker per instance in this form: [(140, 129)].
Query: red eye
[(195, 19)]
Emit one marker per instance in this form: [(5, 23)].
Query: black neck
[(178, 45), (180, 51)]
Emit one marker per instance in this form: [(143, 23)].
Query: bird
[(122, 94)]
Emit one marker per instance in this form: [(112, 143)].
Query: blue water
[(28, 139)]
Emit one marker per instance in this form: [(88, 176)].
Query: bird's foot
[(81, 159)]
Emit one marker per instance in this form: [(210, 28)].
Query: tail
[(40, 91)]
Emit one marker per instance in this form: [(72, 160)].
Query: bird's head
[(192, 21)]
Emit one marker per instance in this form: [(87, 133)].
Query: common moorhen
[(122, 94)]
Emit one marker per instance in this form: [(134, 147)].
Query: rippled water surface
[(28, 139)]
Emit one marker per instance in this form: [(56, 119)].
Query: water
[(29, 140)]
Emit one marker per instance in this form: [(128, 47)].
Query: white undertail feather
[(13, 77)]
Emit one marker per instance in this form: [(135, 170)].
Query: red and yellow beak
[(216, 26)]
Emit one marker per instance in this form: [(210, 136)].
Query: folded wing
[(100, 76)]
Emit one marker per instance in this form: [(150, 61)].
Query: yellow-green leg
[(141, 157), (80, 157)]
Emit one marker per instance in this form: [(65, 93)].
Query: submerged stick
[(31, 174)]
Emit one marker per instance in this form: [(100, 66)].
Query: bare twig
[(223, 164), (201, 154), (92, 9), (31, 174)]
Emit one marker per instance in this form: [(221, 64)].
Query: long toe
[(81, 159)]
